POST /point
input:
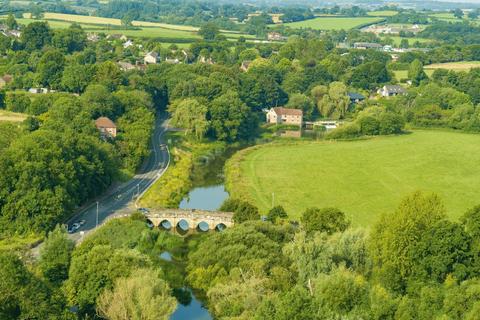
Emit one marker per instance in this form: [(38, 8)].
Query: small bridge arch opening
[(165, 224), (203, 226)]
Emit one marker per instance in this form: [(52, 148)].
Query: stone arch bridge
[(215, 220)]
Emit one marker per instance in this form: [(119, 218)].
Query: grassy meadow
[(333, 23), (397, 39), (364, 178), (429, 69)]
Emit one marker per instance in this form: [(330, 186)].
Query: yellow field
[(11, 116), (455, 66), (108, 21), (385, 13)]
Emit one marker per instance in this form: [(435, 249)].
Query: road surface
[(122, 198)]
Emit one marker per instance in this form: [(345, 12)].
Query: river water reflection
[(208, 194)]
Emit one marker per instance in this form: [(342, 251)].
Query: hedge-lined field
[(143, 29), (364, 178), (333, 23)]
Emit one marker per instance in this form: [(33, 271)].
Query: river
[(208, 193)]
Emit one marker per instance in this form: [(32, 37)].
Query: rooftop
[(288, 111), (104, 122)]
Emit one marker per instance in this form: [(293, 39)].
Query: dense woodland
[(413, 264)]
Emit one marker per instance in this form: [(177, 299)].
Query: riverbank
[(174, 185)]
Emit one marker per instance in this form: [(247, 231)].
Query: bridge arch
[(220, 227), (203, 226), (190, 219), (184, 224), (165, 224)]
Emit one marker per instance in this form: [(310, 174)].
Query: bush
[(369, 125), (347, 131)]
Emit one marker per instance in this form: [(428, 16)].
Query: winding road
[(121, 199)]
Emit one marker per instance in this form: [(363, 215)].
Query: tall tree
[(416, 73), (36, 35), (191, 115), (142, 296), (55, 255), (50, 69)]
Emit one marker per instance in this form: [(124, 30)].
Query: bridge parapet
[(193, 218)]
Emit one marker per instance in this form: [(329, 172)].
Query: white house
[(391, 90), (127, 44)]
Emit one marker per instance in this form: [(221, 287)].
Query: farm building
[(367, 45)]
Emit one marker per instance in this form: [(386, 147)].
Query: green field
[(333, 23), (403, 74), (385, 13), (411, 41), (449, 17), (364, 178), (112, 26)]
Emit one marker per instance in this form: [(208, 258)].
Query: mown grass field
[(333, 23), (364, 178), (403, 74), (429, 69)]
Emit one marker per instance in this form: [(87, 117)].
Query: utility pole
[(96, 224), (138, 190), (273, 199)]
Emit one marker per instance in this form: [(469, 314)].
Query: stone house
[(107, 127), (280, 115), (245, 65), (151, 58)]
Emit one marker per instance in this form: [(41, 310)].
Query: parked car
[(143, 210), (74, 227)]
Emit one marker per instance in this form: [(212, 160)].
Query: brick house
[(280, 115), (106, 127)]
